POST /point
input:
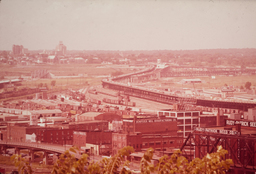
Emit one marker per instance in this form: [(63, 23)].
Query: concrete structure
[(186, 120), (48, 149), (9, 83), (122, 84)]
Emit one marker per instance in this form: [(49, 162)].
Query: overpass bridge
[(121, 83), (184, 71), (33, 147)]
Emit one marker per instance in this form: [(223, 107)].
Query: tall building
[(60, 49), (17, 49)]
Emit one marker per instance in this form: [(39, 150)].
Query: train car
[(95, 101)]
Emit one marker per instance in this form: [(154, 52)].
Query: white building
[(186, 120)]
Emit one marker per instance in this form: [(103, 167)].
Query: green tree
[(53, 82), (68, 164), (175, 164), (46, 85), (117, 162), (22, 164), (211, 163), (145, 163), (248, 85), (40, 85)]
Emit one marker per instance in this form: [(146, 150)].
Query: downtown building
[(60, 49), (143, 133)]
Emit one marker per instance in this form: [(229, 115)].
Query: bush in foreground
[(68, 164)]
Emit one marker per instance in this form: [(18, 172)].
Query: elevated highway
[(183, 71), (122, 83), (50, 148), (33, 147)]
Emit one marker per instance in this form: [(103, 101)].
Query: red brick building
[(139, 142), (120, 140), (56, 136), (79, 138), (153, 125), (211, 120), (16, 133), (103, 139), (144, 133), (99, 137), (89, 125)]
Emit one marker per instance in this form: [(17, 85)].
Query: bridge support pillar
[(31, 154), (46, 158), (1, 149), (4, 149), (17, 150)]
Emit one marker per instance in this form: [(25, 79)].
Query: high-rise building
[(60, 49), (17, 49)]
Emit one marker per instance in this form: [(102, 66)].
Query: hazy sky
[(128, 25)]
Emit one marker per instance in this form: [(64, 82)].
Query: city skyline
[(127, 25)]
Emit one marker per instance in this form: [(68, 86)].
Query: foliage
[(145, 164), (248, 85), (40, 85), (68, 164), (22, 164), (116, 162), (175, 164), (53, 82), (45, 85), (211, 163)]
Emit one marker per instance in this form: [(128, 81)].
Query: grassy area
[(90, 74), (63, 83), (62, 69)]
